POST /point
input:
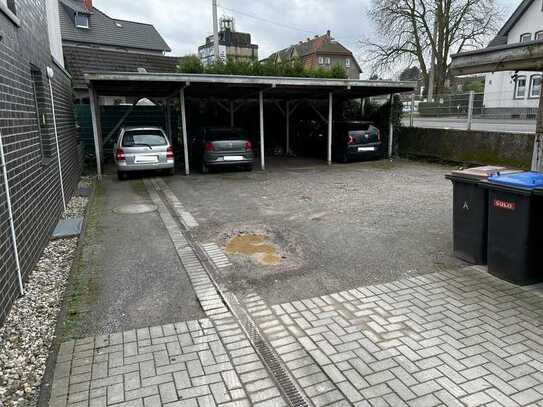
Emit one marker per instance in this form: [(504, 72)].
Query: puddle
[(135, 209), (255, 246)]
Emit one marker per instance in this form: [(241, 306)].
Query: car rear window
[(219, 135), (144, 137), (358, 126)]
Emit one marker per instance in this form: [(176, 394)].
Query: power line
[(267, 21), (350, 40)]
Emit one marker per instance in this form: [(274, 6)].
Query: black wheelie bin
[(470, 212), (515, 227)]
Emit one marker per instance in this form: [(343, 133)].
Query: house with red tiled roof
[(320, 52)]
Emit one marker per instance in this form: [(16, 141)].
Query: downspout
[(50, 74), (10, 214)]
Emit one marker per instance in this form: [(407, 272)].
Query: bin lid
[(527, 180), (482, 173)]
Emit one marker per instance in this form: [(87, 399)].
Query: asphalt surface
[(135, 277), (335, 227), (497, 125)]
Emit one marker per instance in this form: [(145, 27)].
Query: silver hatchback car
[(143, 149)]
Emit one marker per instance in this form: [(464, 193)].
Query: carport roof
[(237, 87)]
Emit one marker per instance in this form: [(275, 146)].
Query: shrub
[(295, 68)]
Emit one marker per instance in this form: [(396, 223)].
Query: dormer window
[(526, 37), (539, 35), (81, 20)]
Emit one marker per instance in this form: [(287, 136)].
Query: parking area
[(332, 228)]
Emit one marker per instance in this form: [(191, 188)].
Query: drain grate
[(283, 379)]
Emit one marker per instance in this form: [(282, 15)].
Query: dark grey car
[(221, 147)]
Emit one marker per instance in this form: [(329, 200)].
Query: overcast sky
[(273, 24)]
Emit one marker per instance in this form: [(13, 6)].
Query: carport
[(230, 92)]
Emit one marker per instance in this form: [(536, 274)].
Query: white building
[(516, 94)]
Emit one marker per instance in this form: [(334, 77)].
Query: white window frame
[(517, 88), (321, 60), (539, 35), (531, 93), (327, 61), (524, 36), (348, 62), (79, 25)]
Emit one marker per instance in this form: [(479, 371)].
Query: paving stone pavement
[(452, 338), (461, 338)]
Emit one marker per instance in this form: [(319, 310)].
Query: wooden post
[(95, 115), (261, 105), (537, 160), (391, 128), (330, 124), (184, 128), (287, 114)]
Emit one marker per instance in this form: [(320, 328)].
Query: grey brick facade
[(30, 149)]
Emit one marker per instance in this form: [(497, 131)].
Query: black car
[(214, 147), (354, 140), (351, 140)]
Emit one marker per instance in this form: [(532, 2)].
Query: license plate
[(366, 148), (146, 159), (233, 158)]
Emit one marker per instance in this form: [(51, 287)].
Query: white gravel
[(29, 329)]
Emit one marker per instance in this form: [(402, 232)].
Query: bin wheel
[(121, 175), (205, 169)]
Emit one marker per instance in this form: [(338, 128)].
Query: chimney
[(88, 4)]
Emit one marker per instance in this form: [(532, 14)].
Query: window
[(520, 88), (348, 63), (526, 37), (149, 138), (321, 60), (81, 20), (535, 86), (40, 105), (327, 60), (9, 4), (539, 35)]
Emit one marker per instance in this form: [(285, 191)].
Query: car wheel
[(248, 168), (205, 168)]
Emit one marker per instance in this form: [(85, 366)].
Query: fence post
[(470, 108), (412, 110)]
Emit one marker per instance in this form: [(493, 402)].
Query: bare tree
[(409, 31)]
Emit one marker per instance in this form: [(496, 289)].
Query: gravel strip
[(28, 332)]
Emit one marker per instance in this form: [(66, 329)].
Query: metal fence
[(489, 111)]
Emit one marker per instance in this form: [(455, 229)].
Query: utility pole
[(215, 32), (433, 65)]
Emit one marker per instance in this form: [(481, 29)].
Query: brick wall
[(33, 174)]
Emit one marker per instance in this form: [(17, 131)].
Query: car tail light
[(378, 135), (169, 153), (350, 140), (248, 146), (208, 147), (119, 155)]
